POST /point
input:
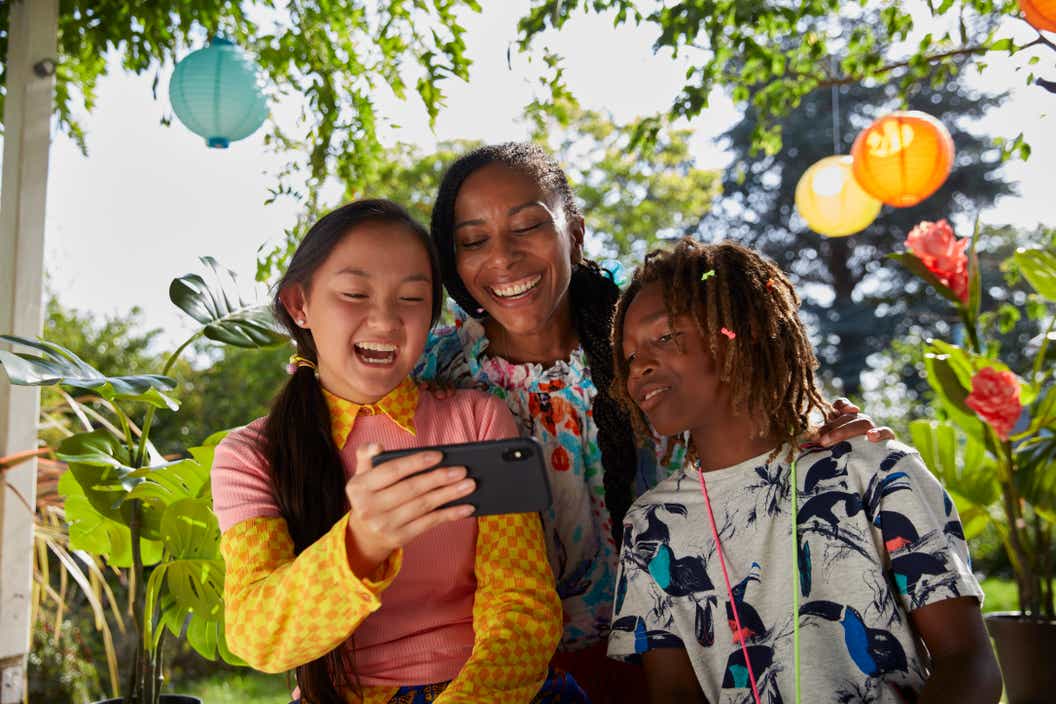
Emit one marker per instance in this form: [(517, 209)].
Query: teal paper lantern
[(216, 93)]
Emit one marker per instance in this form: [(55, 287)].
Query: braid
[(769, 355), (592, 297)]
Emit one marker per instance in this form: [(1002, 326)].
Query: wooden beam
[(31, 56)]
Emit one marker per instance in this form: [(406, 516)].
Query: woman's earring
[(301, 322)]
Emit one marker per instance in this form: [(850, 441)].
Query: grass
[(1000, 594), (247, 687)]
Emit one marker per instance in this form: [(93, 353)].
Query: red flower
[(935, 245), (995, 398)]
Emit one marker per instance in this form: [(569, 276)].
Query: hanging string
[(729, 589), (835, 108)]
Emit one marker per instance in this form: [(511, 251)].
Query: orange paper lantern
[(903, 158), (1041, 14), (831, 201)]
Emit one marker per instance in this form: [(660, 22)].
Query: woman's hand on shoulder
[(846, 421), (392, 504)]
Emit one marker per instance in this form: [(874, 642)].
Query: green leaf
[(190, 586), (915, 266), (967, 471), (1035, 476), (171, 482), (57, 365), (94, 533), (1038, 267), (219, 306)]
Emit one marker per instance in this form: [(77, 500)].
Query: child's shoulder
[(865, 457), (463, 410), (249, 436)]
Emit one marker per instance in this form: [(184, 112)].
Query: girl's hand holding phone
[(389, 507)]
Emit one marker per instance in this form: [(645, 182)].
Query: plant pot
[(1025, 650), (165, 699)]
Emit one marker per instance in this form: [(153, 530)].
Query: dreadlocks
[(746, 310)]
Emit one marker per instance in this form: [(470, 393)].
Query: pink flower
[(995, 398), (935, 245)]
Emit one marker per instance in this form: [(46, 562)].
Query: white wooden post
[(31, 54)]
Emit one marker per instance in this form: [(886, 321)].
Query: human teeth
[(652, 393), (516, 288), (376, 346)]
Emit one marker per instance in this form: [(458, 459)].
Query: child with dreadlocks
[(707, 340)]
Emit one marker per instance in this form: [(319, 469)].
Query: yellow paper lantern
[(1041, 14), (903, 158), (831, 201)]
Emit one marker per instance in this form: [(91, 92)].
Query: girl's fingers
[(433, 519), (411, 490), (416, 506), (391, 472)]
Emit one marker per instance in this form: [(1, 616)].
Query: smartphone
[(510, 474)]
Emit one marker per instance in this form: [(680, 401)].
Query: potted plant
[(127, 504), (995, 449)]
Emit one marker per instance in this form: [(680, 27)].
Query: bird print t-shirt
[(878, 538)]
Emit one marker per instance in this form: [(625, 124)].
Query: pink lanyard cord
[(729, 589)]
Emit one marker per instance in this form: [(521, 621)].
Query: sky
[(148, 200)]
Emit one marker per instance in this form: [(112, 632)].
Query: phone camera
[(516, 454)]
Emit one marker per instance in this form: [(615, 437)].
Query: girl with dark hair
[(322, 547), (534, 330)]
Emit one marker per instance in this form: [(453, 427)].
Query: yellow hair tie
[(299, 361)]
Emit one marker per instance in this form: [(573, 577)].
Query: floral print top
[(553, 405)]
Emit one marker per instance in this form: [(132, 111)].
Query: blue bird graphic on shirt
[(827, 467), (751, 624), (873, 650)]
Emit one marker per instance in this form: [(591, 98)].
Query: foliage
[(126, 503), (742, 46), (999, 475), (335, 53), (60, 669), (855, 303), (629, 200)]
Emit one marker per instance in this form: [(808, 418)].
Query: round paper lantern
[(903, 158), (1041, 14), (216, 93), (831, 201)]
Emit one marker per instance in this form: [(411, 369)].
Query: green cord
[(795, 577)]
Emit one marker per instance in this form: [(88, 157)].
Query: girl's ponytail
[(309, 484)]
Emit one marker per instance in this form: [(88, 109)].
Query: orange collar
[(400, 405)]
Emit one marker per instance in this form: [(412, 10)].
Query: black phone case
[(506, 483)]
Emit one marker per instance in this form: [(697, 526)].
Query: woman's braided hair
[(592, 297), (769, 362)]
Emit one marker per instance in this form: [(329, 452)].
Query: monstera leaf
[(187, 588), (57, 365), (97, 534), (219, 306)]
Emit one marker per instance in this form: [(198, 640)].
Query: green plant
[(128, 504), (997, 476)]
